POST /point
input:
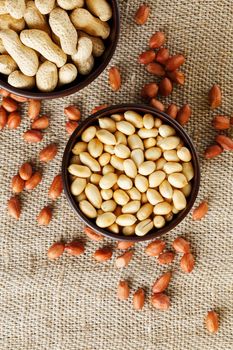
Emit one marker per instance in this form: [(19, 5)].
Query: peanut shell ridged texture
[(70, 303)]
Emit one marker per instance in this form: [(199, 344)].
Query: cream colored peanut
[(134, 118), (145, 211), (89, 134), (41, 42), (159, 221), (34, 19), (7, 64), (148, 143), (144, 199), (135, 142), (105, 220), (158, 122), (88, 160), (120, 197), (67, 74), (125, 127), (137, 155), (124, 182), (184, 154), (160, 163), (131, 207), (134, 194), (109, 149), (172, 167), (169, 216), (117, 163), (47, 77), (156, 178), (129, 230), (84, 20), (153, 196), (177, 180), (104, 159), (97, 43), (45, 6), (126, 220), (143, 227), (171, 156), (81, 197), (106, 194), (148, 121), (93, 195), (70, 4), (186, 190), (147, 133), (120, 138), (62, 26), (122, 151), (106, 137), (166, 130), (25, 58), (114, 228), (88, 209), (165, 189), (8, 22), (107, 181), (108, 124), (79, 170), (146, 168), (3, 8), (16, 8), (2, 48), (162, 208), (107, 169), (130, 168), (78, 186), (95, 179), (95, 148), (117, 117), (179, 200), (109, 205), (141, 183), (79, 147), (100, 8), (21, 81), (170, 143), (188, 171), (153, 153)]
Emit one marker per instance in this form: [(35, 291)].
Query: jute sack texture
[(70, 304)]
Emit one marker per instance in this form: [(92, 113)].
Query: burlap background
[(70, 304)]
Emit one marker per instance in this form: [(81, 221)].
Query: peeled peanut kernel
[(95, 178), (134, 194), (100, 212), (160, 163), (107, 181), (130, 168), (166, 189), (81, 197), (107, 169), (146, 168), (109, 149), (148, 143), (131, 207), (126, 220), (188, 170), (156, 178), (114, 228), (78, 186), (125, 127), (93, 195), (88, 209), (141, 183), (159, 221), (158, 122), (106, 137), (148, 121), (117, 163), (159, 140), (122, 151), (120, 197), (117, 117), (137, 155), (108, 124), (79, 170), (146, 133), (79, 147), (169, 216), (88, 160), (162, 208), (145, 211), (143, 227), (105, 220), (109, 205), (177, 180), (153, 153), (88, 134), (181, 144), (144, 198), (104, 159), (186, 190), (129, 230), (170, 143), (172, 167), (179, 200), (106, 194), (184, 154), (174, 210), (124, 182), (120, 138), (166, 130), (135, 142), (171, 156), (153, 196), (134, 118), (95, 148)]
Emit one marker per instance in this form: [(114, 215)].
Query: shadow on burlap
[(70, 304)]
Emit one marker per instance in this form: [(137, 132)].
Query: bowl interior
[(93, 120), (81, 81)]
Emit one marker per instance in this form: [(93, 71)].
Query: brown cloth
[(70, 304)]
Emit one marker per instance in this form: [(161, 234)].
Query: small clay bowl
[(93, 120), (81, 81)]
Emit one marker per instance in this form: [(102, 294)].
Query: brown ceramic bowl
[(92, 120), (81, 81)]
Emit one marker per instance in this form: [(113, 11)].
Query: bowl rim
[(80, 85), (141, 108)]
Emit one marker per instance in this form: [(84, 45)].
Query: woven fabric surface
[(70, 304)]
